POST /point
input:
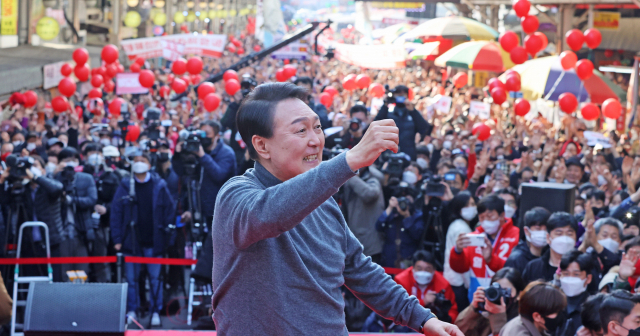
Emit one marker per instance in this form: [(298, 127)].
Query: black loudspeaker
[(56, 309), (551, 196)]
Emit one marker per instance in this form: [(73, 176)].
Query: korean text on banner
[(202, 45), (480, 109), (441, 103), (388, 56), (51, 75), (606, 20), (297, 50), (9, 18), (129, 83), (171, 50)]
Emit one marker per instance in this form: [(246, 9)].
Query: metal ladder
[(196, 292), (18, 280)]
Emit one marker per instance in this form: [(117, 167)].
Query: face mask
[(469, 213), (572, 286), (36, 172), (610, 244), (105, 142), (551, 324), (422, 278), (596, 210), (50, 167), (95, 160), (464, 147), (462, 169), (562, 244), (509, 211), (537, 238), (409, 177), (500, 157), (491, 227), (401, 100), (17, 143), (140, 167), (206, 142), (164, 157), (633, 332), (446, 144), (601, 180), (72, 164), (422, 163), (31, 146)]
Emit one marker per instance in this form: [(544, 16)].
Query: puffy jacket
[(437, 284), (408, 230), (471, 257), (520, 257), (409, 123), (122, 213), (47, 205), (83, 198)]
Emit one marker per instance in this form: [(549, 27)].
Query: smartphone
[(476, 239)]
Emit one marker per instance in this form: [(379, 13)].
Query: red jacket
[(437, 284), (471, 256)]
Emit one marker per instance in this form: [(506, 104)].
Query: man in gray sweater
[(281, 247)]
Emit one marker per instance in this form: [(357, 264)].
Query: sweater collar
[(265, 177)]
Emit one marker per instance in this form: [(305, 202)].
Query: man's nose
[(314, 139)]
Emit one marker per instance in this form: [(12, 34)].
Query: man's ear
[(260, 145)]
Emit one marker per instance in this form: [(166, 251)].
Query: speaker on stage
[(551, 196), (59, 308)]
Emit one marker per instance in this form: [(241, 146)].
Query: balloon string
[(555, 85)]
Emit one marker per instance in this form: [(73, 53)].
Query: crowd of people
[(442, 214)]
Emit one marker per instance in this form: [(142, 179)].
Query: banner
[(9, 18), (128, 83), (387, 56), (51, 75), (298, 50), (171, 50), (606, 20), (150, 47), (480, 109)]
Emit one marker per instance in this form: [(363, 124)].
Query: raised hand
[(627, 266), (380, 136)]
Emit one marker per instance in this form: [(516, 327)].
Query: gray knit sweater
[(281, 252)]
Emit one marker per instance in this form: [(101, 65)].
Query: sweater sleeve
[(459, 261)]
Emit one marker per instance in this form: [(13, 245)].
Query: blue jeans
[(132, 272)]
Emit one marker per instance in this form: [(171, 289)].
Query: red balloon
[(590, 111), (584, 69), (280, 75), (115, 106), (146, 78), (543, 38), (512, 83), (164, 91), (568, 102), (170, 78), (499, 95), (230, 74), (363, 81), (133, 132), (616, 63), (109, 53), (231, 86), (59, 104), (179, 66), (326, 99), (533, 43), (608, 53), (574, 38), (95, 93), (460, 79), (290, 70), (179, 85), (102, 71), (285, 61), (376, 89), (522, 7), (232, 49), (349, 82), (195, 79), (593, 38), (66, 70), (67, 87), (96, 81), (187, 79), (134, 67), (410, 94), (242, 36), (522, 107), (512, 72), (529, 24), (331, 90), (80, 56), (508, 40), (139, 60), (518, 55), (240, 51), (256, 48), (211, 102), (82, 72), (194, 65), (568, 59), (205, 89), (495, 82), (120, 68), (112, 70), (611, 108), (236, 43), (30, 99), (481, 131), (109, 85)]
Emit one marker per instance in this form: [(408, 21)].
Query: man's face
[(598, 203), (609, 231), (297, 141), (7, 148), (574, 174), (423, 266), (491, 215), (361, 116), (509, 200), (141, 159), (561, 231), (63, 138), (526, 176), (18, 137), (630, 322), (211, 134), (573, 270)]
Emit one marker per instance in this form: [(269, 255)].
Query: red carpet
[(199, 333)]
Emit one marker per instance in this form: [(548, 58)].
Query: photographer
[(352, 130), (217, 164), (402, 226), (540, 311), (486, 317), (407, 118)]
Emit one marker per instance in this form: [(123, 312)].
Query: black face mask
[(596, 210), (163, 157), (554, 323), (206, 142)]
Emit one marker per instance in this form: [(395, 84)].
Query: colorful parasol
[(452, 27), (476, 55), (388, 34), (422, 51), (538, 77)]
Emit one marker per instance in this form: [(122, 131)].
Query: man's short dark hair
[(509, 191), (491, 202), (358, 108), (562, 219), (633, 242), (536, 216), (91, 147), (542, 298), (304, 80), (255, 115), (597, 194), (583, 260), (402, 89), (590, 312), (616, 306), (574, 161), (68, 152), (426, 256), (213, 124)]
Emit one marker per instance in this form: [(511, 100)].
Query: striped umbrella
[(540, 75), (476, 55), (452, 27)]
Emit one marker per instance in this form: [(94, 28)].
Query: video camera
[(433, 186), (494, 293), (19, 166), (126, 115), (193, 141), (396, 164), (441, 306), (247, 84), (153, 123)]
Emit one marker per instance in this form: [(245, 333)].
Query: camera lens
[(493, 294)]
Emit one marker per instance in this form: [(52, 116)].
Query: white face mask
[(500, 157), (537, 238), (140, 167), (562, 244), (50, 167), (422, 163), (31, 146), (95, 159), (610, 244), (409, 177), (469, 213), (72, 164), (17, 143), (491, 227), (509, 211), (572, 286), (36, 172), (422, 278), (446, 144), (105, 142)]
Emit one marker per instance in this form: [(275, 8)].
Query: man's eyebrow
[(301, 119)]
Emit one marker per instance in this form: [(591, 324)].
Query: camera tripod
[(433, 223)]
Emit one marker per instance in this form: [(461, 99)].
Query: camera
[(247, 85), (396, 164), (193, 141), (441, 306), (355, 124), (434, 187), (153, 123), (403, 203), (18, 165), (494, 293)]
